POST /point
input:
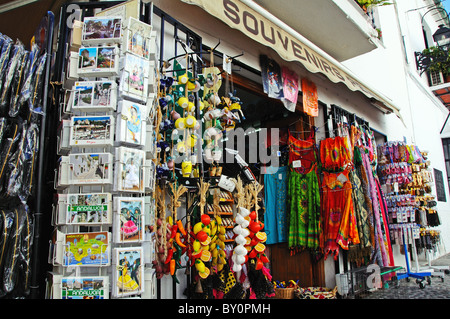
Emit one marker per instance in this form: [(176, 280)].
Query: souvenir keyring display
[(404, 177)]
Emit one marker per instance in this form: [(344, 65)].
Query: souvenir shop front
[(195, 161)]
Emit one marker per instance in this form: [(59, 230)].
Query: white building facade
[(407, 27)]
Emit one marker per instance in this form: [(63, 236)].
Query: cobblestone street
[(439, 288)]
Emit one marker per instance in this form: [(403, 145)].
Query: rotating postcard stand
[(420, 276)]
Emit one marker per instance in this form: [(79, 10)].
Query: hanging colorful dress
[(340, 226), (360, 253), (381, 254), (305, 226), (275, 202), (335, 153)]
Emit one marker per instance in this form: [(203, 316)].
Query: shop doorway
[(263, 112)]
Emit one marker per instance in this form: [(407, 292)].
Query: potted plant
[(366, 4), (436, 59)]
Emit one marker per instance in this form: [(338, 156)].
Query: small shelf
[(222, 213)]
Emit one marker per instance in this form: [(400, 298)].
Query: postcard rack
[(105, 174)]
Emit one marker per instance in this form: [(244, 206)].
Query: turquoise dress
[(275, 201)]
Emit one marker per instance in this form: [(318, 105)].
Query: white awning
[(263, 27)]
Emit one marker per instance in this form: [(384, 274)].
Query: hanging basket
[(284, 293)]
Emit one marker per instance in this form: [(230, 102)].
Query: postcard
[(91, 287), (131, 123), (137, 35), (98, 61), (128, 273), (135, 76), (92, 131), (87, 249), (87, 209), (94, 96), (128, 219), (90, 168), (102, 30), (130, 173), (130, 8)]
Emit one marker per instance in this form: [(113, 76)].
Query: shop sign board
[(240, 16)]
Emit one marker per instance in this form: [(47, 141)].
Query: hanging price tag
[(342, 178), (297, 163)]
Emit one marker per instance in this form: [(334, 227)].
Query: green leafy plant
[(366, 4), (435, 59)]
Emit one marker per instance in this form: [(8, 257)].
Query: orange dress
[(340, 225)]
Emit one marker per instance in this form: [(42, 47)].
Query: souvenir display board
[(406, 176)]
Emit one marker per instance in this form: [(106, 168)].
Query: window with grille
[(446, 146)]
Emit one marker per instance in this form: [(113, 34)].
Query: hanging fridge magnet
[(92, 131), (128, 219), (102, 30), (94, 96)]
